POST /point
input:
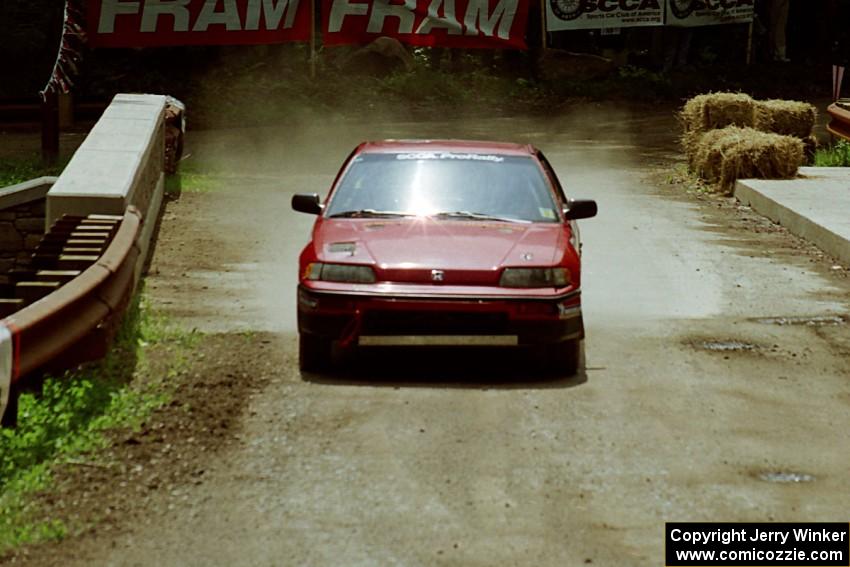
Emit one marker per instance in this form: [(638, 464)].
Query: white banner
[(596, 14), (6, 354), (691, 13)]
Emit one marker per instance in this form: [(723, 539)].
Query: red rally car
[(431, 242)]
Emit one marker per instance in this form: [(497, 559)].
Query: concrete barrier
[(118, 170), (120, 163), (26, 192), (815, 206)]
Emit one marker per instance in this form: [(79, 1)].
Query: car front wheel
[(314, 353)]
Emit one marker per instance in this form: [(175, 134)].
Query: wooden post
[(50, 128), (750, 44), (543, 36), (66, 111), (312, 39)]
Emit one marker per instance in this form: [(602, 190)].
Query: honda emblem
[(437, 275)]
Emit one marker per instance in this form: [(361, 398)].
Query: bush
[(66, 420), (833, 156)]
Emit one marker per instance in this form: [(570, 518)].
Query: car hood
[(469, 252)]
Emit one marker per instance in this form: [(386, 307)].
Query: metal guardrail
[(117, 172), (50, 332), (840, 123)]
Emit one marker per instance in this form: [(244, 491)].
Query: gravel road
[(710, 393)]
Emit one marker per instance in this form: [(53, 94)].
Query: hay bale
[(787, 117), (726, 155), (690, 143), (717, 110)]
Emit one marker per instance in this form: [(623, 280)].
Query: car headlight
[(535, 277), (347, 273)]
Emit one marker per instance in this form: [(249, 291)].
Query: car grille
[(433, 323)]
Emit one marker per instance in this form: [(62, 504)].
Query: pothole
[(785, 477), (817, 321), (727, 346)]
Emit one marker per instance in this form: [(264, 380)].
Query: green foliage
[(191, 183), (647, 84), (20, 170), (424, 84), (681, 177), (833, 156), (630, 83), (66, 420)]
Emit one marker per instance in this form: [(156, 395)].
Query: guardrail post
[(8, 398)]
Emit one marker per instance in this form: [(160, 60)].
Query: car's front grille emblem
[(437, 275)]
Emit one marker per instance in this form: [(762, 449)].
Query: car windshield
[(447, 185)]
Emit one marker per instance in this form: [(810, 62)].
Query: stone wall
[(21, 229), (22, 224)]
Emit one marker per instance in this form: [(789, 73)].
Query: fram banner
[(143, 23), (595, 14), (443, 23), (689, 13)]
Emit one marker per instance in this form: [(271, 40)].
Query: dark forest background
[(215, 78)]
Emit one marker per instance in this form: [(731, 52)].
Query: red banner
[(144, 23), (440, 23)]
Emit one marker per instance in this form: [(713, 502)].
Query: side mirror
[(307, 203), (580, 209)]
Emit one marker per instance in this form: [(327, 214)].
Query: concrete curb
[(815, 206), (25, 192)]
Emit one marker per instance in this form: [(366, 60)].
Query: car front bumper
[(358, 318)]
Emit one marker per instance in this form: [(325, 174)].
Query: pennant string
[(69, 54)]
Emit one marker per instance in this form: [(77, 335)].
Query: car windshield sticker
[(450, 156), (546, 213)]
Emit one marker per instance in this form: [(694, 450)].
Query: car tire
[(314, 353), (564, 357)]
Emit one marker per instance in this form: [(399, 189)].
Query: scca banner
[(595, 14), (688, 13), (143, 23), (443, 23)]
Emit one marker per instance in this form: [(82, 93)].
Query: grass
[(68, 419), (17, 171), (688, 181), (837, 155), (191, 182)]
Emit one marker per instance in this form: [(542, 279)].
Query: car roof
[(469, 146)]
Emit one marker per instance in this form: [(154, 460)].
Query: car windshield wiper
[(476, 216), (368, 213)]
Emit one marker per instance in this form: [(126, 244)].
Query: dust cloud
[(255, 238)]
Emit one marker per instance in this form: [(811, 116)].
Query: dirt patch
[(740, 226), (141, 472)]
